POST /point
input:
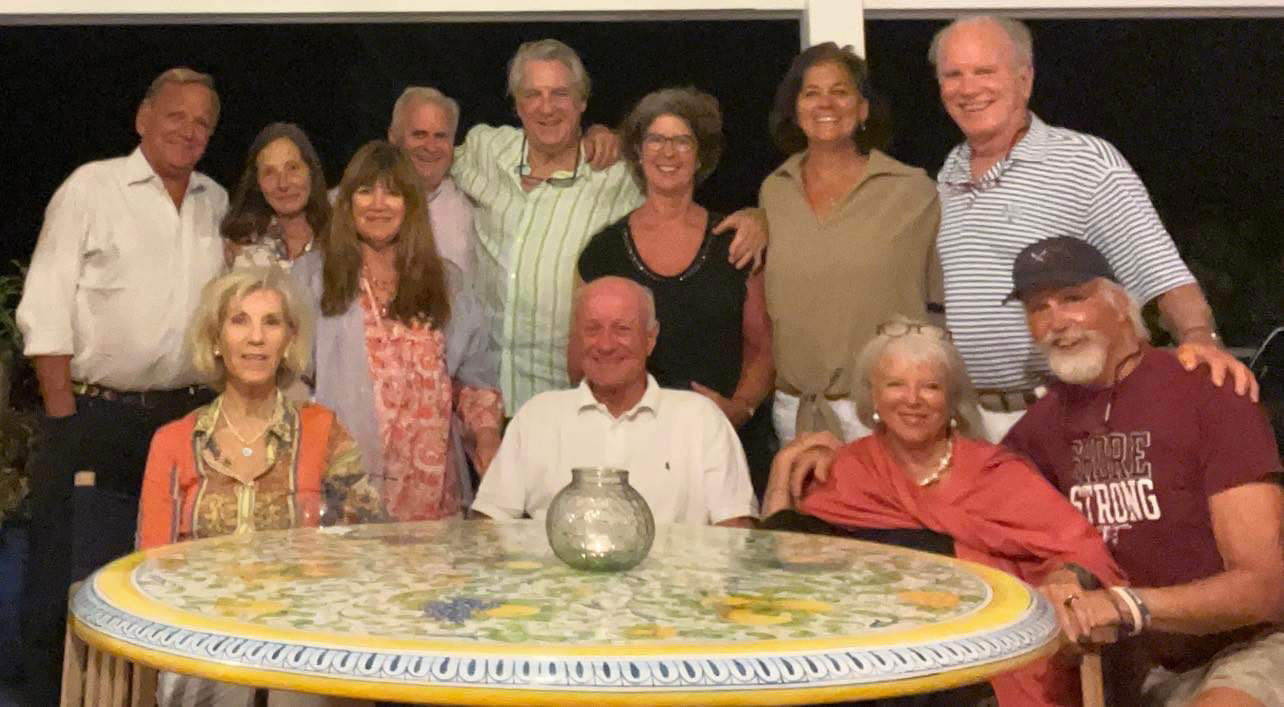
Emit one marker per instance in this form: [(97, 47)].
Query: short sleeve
[(1123, 224), (727, 489), (502, 491), (1237, 445)]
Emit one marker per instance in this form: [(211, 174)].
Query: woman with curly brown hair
[(714, 336)]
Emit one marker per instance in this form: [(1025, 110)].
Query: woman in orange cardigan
[(234, 465)]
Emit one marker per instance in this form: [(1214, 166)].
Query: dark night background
[(1195, 105)]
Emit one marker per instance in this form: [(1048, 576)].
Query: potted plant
[(10, 336), (17, 431)]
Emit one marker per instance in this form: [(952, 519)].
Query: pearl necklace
[(247, 449), (941, 468)]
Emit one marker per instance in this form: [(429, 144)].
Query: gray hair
[(207, 323), (182, 76), (645, 296), (917, 345), (422, 94), (1126, 302), (1016, 30), (547, 50)]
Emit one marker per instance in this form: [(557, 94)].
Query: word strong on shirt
[(1113, 486)]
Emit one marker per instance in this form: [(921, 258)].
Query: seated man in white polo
[(681, 453)]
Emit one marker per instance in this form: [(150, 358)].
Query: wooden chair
[(94, 678), (1091, 680)]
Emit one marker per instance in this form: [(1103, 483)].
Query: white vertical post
[(839, 21)]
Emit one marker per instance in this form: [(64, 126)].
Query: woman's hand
[(486, 446), (750, 242), (737, 411)]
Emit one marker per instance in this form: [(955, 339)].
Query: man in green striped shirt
[(538, 202)]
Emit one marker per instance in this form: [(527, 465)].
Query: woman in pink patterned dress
[(402, 354)]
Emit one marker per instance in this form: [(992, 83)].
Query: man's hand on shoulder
[(1194, 353), (749, 246), (601, 147)]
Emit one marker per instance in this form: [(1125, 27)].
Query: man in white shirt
[(126, 246), (424, 121), (681, 453)]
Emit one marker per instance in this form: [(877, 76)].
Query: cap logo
[(1040, 255)]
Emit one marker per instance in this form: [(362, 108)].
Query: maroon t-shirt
[(1144, 476)]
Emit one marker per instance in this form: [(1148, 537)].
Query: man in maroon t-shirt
[(1178, 475)]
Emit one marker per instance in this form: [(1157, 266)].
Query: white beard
[(1081, 365)]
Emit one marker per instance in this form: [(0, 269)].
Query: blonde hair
[(182, 76), (204, 332), (917, 345)]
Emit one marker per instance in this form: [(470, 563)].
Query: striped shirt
[(528, 244), (1054, 182)]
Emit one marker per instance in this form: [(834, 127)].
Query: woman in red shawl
[(920, 469)]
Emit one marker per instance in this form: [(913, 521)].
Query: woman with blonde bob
[(922, 469), (402, 354), (251, 336)]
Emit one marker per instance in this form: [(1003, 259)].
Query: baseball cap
[(1060, 261)]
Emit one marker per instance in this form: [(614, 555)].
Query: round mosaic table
[(480, 612)]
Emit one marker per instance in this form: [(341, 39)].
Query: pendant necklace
[(248, 444)]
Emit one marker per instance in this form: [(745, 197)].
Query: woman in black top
[(714, 337)]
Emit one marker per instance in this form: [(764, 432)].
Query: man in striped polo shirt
[(537, 203), (1015, 181)]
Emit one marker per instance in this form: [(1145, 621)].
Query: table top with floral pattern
[(447, 590)]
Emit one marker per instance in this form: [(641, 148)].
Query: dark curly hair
[(701, 113), (783, 122)]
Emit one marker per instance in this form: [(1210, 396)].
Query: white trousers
[(995, 425), (784, 415)]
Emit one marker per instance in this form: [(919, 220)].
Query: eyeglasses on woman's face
[(655, 142)]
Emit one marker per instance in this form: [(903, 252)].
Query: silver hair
[(1124, 301), (1016, 30), (422, 94), (644, 293), (917, 345), (182, 76), (547, 50)]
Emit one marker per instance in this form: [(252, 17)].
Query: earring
[(954, 423), (877, 419), (218, 353)]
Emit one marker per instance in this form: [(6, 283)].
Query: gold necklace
[(247, 448)]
